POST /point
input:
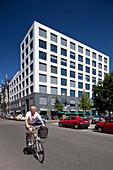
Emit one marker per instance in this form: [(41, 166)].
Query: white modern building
[(53, 64)]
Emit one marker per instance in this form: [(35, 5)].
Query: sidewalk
[(92, 126)]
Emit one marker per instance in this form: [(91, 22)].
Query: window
[(94, 55), (27, 51), (93, 71), (87, 61), (31, 89), (42, 78), (72, 93), (80, 49), (54, 48), (63, 52), (19, 86), (63, 42), (53, 80), (72, 46), (31, 101), (72, 55), (72, 102), (87, 52), (19, 77), (99, 80), (80, 76), (92, 87), (87, 69), (31, 67), (42, 100), (88, 94), (53, 90), (27, 72), (31, 57), (79, 94), (64, 92), (72, 83), (53, 59), (94, 63), (31, 34), (42, 55), (64, 101), (72, 74), (99, 66), (52, 101), (22, 65), (100, 58), (93, 79), (23, 46), (27, 92), (26, 40), (23, 56), (23, 75), (31, 79), (42, 44), (31, 45), (105, 68), (80, 85), (80, 58), (26, 61), (23, 93), (23, 84), (72, 64), (63, 72), (43, 89), (54, 69), (42, 33), (53, 37), (63, 62), (100, 73), (42, 67), (87, 87), (80, 67), (87, 78), (105, 60), (63, 82)]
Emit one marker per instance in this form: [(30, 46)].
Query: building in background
[(53, 64)]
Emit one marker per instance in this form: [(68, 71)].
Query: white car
[(18, 117)]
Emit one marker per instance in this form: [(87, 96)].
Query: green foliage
[(85, 102), (58, 106)]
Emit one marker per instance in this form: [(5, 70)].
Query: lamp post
[(65, 110)]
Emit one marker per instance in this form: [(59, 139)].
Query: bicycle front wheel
[(40, 151)]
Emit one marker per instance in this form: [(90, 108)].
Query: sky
[(87, 21)]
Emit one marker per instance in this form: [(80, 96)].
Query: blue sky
[(87, 21)]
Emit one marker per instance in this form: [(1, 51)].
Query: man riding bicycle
[(30, 119)]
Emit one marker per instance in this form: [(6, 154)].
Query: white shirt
[(32, 118)]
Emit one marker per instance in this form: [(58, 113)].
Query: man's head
[(33, 109)]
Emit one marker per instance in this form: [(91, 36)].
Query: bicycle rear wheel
[(40, 151)]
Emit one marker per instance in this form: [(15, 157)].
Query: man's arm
[(42, 122), (26, 123)]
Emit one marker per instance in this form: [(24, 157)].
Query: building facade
[(53, 64)]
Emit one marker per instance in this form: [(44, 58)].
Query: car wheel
[(60, 124), (99, 129), (76, 126)]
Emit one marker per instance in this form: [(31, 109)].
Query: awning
[(43, 109), (18, 110)]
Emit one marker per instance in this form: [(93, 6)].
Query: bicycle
[(36, 144)]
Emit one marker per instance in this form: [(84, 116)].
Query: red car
[(106, 126), (74, 121)]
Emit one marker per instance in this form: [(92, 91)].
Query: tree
[(58, 106), (85, 102)]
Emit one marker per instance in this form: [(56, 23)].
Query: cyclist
[(30, 119)]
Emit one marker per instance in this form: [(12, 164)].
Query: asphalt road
[(65, 149)]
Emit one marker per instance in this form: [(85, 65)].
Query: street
[(65, 149)]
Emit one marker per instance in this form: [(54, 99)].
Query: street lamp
[(65, 110)]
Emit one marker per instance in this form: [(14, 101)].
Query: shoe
[(29, 143)]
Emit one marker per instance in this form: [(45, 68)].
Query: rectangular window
[(94, 55), (80, 49), (80, 67), (27, 72), (31, 57), (72, 64), (80, 76), (100, 58), (72, 93), (53, 59), (54, 69), (27, 92), (88, 94), (80, 85), (105, 60), (63, 72), (87, 69), (87, 86), (72, 55), (42, 55), (64, 101), (100, 73), (52, 101), (26, 61), (23, 56), (42, 44), (87, 52), (42, 67), (31, 79), (63, 82), (31, 67), (99, 66), (53, 90), (63, 92), (87, 61), (93, 71), (72, 74), (72, 83), (63, 52), (87, 78), (99, 80), (22, 65), (72, 102), (22, 76), (80, 58), (54, 48), (72, 46), (42, 100), (31, 45), (53, 37), (26, 40), (63, 42), (31, 89), (23, 46), (31, 34), (27, 51), (93, 79), (63, 62), (42, 33), (79, 94), (94, 63), (105, 68), (43, 89), (53, 80), (42, 78)]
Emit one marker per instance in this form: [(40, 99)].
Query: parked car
[(96, 119), (89, 117), (106, 125), (38, 121), (74, 121), (22, 117)]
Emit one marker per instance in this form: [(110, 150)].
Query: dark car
[(106, 126), (96, 119), (74, 121)]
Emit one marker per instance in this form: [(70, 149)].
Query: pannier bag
[(43, 132)]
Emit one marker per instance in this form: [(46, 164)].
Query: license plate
[(85, 121)]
